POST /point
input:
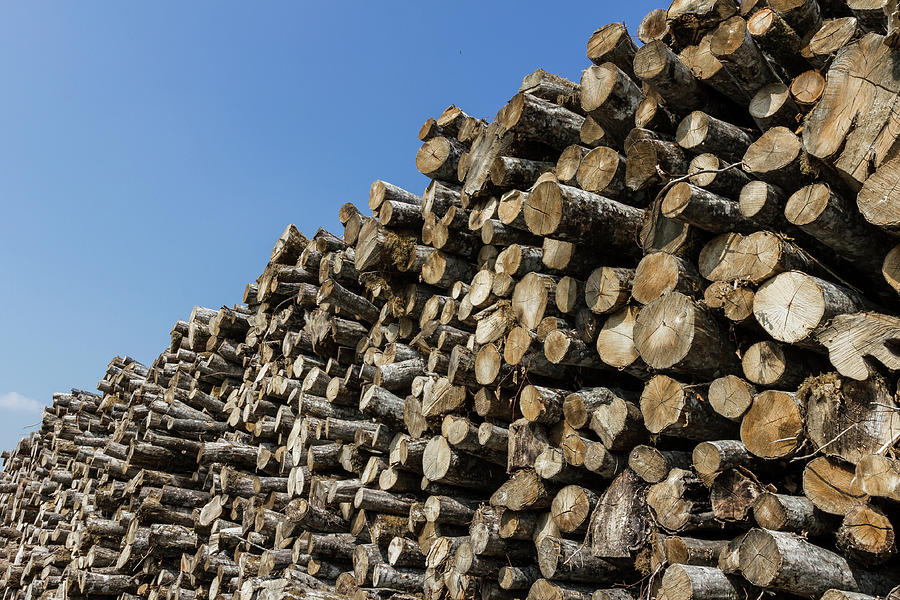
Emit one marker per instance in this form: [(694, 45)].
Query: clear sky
[(152, 152)]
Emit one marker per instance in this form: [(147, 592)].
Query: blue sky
[(151, 153)]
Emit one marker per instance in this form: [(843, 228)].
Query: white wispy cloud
[(16, 402)]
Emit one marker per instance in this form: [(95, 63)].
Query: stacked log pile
[(636, 339)]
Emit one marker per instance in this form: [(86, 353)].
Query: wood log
[(831, 486), (673, 332), (776, 157), (602, 171), (733, 44), (672, 408), (615, 342), (612, 43), (653, 465), (619, 424), (879, 476), (689, 581), (731, 495), (571, 508), (661, 69), (704, 209), (650, 161), (659, 273), (792, 305), (773, 426), (769, 364), (834, 409), (786, 562), (610, 97), (817, 210), (564, 560), (568, 213), (803, 16), (620, 524), (524, 490), (680, 503), (438, 158), (867, 535), (442, 464), (827, 134), (796, 514)]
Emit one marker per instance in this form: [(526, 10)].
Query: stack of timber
[(638, 338)]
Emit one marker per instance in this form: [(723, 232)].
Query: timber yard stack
[(636, 339)]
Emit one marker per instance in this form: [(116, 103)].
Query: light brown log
[(438, 158), (659, 273), (876, 198), (791, 306), (652, 161), (564, 560), (553, 88), (654, 26), (442, 464), (773, 106), (672, 408), (602, 171), (610, 97), (731, 396), (661, 69), (879, 476), (818, 211), (579, 406), (524, 490), (709, 69), (608, 289), (807, 88), (867, 535), (770, 364), (704, 209), (571, 508), (693, 551), (699, 132), (615, 341), (612, 43), (733, 44), (680, 502), (796, 514), (673, 332), (831, 486), (653, 465), (773, 426), (619, 424), (776, 157), (850, 338), (696, 582)]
